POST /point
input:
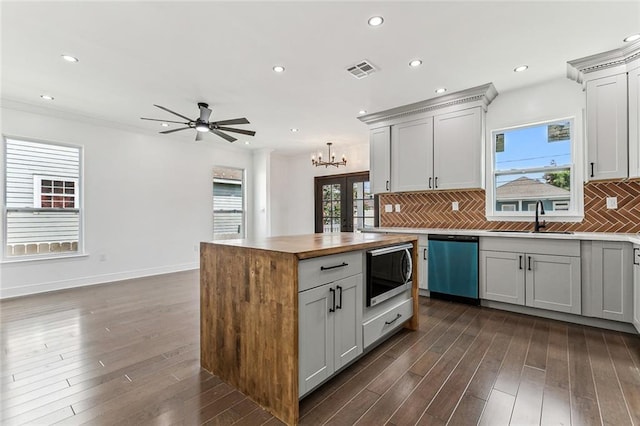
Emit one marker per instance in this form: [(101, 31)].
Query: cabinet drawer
[(387, 321), (531, 245), (325, 269)]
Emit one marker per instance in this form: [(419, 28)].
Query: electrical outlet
[(397, 208), (612, 202), (454, 206), (388, 208)]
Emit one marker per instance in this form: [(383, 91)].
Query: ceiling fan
[(203, 125)]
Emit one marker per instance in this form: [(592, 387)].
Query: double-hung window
[(533, 163), (42, 207)]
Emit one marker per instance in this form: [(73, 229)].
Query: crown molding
[(579, 69), (481, 95)]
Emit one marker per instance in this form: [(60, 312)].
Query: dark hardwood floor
[(128, 353)]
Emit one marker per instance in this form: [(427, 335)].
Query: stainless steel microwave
[(389, 272)]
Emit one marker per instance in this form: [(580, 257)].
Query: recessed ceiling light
[(294, 130), (415, 63), (441, 90), (632, 37), (362, 112), (278, 68), (47, 97), (165, 124), (521, 68), (70, 58), (247, 143), (375, 21)]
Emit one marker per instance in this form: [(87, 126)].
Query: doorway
[(344, 203)]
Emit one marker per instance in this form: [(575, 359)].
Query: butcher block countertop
[(315, 245)]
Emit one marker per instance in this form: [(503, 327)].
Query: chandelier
[(332, 159)]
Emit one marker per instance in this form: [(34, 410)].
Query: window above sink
[(534, 162)]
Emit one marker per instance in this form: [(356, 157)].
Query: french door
[(344, 203)]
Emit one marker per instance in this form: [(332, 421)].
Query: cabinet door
[(457, 149), (634, 121), (502, 276), (610, 291), (607, 127), (412, 155), (315, 337), (553, 282), (423, 267), (348, 320), (636, 287), (379, 160)]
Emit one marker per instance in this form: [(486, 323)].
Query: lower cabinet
[(329, 329), (529, 272), (423, 264), (607, 280), (636, 286)]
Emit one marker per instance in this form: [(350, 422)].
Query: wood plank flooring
[(128, 353)]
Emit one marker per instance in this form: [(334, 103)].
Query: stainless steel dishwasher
[(453, 268)]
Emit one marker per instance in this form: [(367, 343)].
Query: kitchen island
[(249, 314)]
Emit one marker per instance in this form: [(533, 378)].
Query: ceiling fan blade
[(223, 135), (198, 136), (164, 121), (242, 131), (232, 121), (205, 113), (174, 130), (172, 112)]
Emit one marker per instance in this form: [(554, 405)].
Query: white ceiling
[(175, 54)]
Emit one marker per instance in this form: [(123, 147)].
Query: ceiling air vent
[(362, 69)]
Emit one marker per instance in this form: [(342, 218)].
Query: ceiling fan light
[(202, 127)]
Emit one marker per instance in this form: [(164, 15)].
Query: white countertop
[(589, 236)]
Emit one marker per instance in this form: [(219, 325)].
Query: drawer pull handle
[(393, 320), (529, 263), (333, 298), (326, 268), (520, 262), (340, 299)]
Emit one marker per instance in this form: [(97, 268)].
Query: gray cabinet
[(423, 263), (607, 127), (380, 160), (537, 273), (633, 86), (636, 287), (330, 329), (433, 144), (608, 280), (502, 277), (412, 155), (457, 149)]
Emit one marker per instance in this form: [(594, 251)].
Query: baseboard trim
[(561, 316), (11, 292)]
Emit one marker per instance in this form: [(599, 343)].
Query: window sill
[(530, 218), (22, 259)]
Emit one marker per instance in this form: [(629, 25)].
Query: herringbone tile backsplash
[(433, 210)]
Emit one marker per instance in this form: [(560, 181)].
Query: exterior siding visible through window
[(228, 203), (42, 205)]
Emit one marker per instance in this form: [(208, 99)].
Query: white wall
[(291, 195), (147, 202), (261, 188)]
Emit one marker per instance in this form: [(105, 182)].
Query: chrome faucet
[(539, 225)]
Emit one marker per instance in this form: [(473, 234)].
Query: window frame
[(79, 204), (576, 168), (243, 185)]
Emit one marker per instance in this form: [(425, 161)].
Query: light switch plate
[(612, 202), (397, 208), (388, 208), (454, 206)]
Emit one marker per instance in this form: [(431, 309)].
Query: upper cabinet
[(418, 147), (610, 80)]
